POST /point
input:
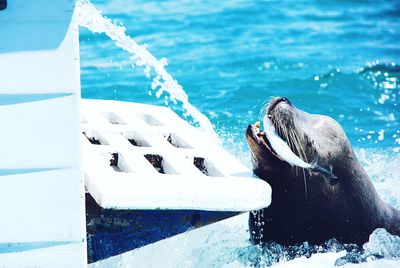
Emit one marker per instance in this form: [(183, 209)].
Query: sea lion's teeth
[(257, 124)]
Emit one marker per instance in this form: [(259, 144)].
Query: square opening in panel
[(156, 161), (114, 162), (160, 164), (117, 162), (136, 140), (91, 139), (114, 118), (150, 120), (176, 141), (206, 167)]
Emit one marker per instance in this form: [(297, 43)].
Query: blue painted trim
[(112, 232), (19, 247), (7, 172), (10, 99)]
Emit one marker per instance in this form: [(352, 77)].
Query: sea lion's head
[(307, 204), (313, 138)]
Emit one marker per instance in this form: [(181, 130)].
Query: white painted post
[(42, 201)]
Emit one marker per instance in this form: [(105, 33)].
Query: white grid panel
[(139, 156)]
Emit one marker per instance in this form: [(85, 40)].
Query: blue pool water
[(338, 58)]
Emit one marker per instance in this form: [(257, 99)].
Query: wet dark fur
[(308, 206)]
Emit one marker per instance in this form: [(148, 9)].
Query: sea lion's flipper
[(317, 168)]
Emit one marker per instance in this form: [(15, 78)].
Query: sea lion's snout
[(283, 99), (259, 145), (282, 112), (277, 101), (255, 137)]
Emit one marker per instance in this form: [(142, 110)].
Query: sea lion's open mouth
[(254, 132)]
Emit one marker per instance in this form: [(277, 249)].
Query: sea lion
[(308, 205)]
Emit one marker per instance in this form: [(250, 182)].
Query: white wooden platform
[(42, 200), (140, 156)]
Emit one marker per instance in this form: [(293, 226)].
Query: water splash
[(162, 82), (382, 166), (332, 253), (383, 245)]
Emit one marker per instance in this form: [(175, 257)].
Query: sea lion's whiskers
[(305, 183), (289, 135), (293, 144), (292, 139), (300, 150), (297, 146), (264, 109)]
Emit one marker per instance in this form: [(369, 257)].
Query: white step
[(218, 183), (42, 198)]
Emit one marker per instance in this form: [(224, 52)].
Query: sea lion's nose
[(284, 99)]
